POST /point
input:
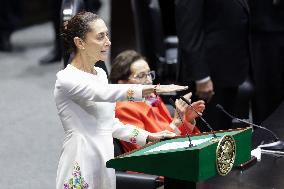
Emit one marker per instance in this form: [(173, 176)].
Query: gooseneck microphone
[(276, 145), (199, 115), (187, 134), (276, 138)]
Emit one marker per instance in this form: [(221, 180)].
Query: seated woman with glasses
[(129, 67)]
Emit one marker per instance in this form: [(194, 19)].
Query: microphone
[(173, 104), (276, 145), (204, 121)]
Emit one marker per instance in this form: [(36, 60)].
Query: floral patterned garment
[(85, 104), (77, 181)]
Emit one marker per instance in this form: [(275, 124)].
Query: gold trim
[(225, 155)]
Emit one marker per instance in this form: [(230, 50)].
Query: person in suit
[(268, 48), (10, 19), (214, 52), (56, 53)]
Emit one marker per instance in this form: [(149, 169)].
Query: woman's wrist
[(150, 138), (147, 90), (150, 89), (147, 139), (175, 128), (176, 121)]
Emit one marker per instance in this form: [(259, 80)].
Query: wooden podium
[(174, 159)]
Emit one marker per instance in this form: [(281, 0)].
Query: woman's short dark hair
[(77, 26), (120, 67)]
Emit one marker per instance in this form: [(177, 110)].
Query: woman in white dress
[(85, 103)]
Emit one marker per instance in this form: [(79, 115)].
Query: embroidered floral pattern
[(134, 134), (130, 94), (77, 181)]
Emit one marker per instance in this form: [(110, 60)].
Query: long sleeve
[(190, 31), (83, 87), (129, 133), (128, 113), (90, 125), (143, 116)]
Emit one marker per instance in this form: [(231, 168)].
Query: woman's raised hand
[(160, 89)]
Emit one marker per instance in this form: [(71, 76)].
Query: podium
[(174, 159)]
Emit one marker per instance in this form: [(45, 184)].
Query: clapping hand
[(190, 114), (181, 108)]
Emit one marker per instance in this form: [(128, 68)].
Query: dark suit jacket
[(267, 15), (213, 40)]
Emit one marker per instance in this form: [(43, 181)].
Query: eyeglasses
[(143, 75)]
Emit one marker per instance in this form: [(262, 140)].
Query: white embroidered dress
[(85, 104)]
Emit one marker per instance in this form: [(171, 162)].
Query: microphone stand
[(277, 145), (189, 139), (200, 116)]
